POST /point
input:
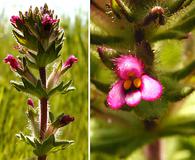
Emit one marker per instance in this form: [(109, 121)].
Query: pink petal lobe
[(69, 62), (12, 61), (116, 96), (133, 98), (128, 64), (151, 89)]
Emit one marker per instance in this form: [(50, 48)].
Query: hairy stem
[(43, 118), (153, 151), (42, 157), (43, 110)]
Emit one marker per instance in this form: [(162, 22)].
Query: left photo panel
[(44, 80)]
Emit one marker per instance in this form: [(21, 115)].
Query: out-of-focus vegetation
[(171, 54), (13, 104)]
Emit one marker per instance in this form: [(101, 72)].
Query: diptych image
[(97, 80)]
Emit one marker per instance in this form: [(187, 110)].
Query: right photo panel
[(142, 72)]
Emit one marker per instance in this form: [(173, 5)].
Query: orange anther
[(137, 82), (127, 84)]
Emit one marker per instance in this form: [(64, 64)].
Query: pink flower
[(30, 102), (133, 84), (69, 62), (14, 19), (47, 20), (12, 61)]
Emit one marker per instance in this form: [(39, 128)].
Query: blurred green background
[(13, 104)]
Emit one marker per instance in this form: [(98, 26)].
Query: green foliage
[(50, 145)]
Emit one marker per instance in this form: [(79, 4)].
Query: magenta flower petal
[(12, 61), (133, 98), (30, 102), (151, 89), (47, 20), (69, 62), (116, 96), (127, 65), (15, 19)]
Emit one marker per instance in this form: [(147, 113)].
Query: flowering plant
[(40, 40), (128, 77)]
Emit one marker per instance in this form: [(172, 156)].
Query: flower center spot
[(137, 82), (131, 74), (127, 84)]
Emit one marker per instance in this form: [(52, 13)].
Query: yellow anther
[(137, 82), (127, 84), (131, 74)]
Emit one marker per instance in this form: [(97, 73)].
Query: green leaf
[(51, 145), (101, 86), (103, 39), (184, 72), (51, 117), (168, 34), (177, 5), (24, 42), (68, 89), (26, 139), (61, 145), (62, 88), (185, 25), (180, 125), (28, 87), (125, 10), (173, 90)]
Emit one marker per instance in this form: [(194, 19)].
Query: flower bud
[(61, 121), (15, 19), (65, 120), (48, 20), (30, 102), (59, 71), (69, 62), (156, 14), (12, 61), (157, 10)]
